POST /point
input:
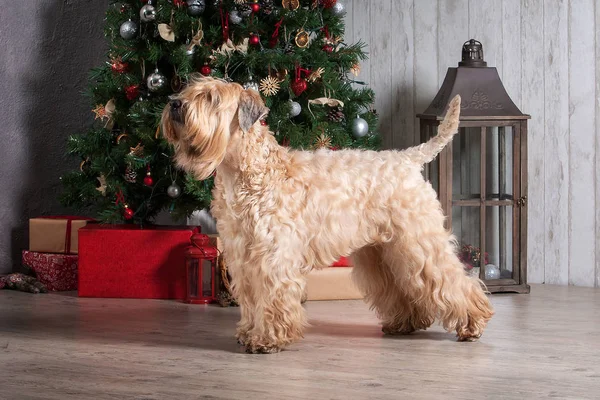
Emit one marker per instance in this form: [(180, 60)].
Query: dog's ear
[(167, 128), (250, 109)]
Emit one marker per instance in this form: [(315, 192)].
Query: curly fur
[(281, 213)]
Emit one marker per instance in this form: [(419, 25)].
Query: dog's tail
[(426, 152)]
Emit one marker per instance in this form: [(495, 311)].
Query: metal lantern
[(481, 176), (200, 266)]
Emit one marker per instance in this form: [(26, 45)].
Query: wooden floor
[(57, 346)]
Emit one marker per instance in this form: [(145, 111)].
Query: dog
[(282, 212)]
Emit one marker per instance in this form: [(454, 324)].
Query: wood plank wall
[(548, 56)]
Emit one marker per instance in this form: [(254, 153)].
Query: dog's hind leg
[(435, 283), (379, 285)]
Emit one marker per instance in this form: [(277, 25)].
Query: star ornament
[(100, 112), (269, 86), (323, 141), (102, 187)]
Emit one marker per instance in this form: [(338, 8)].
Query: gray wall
[(47, 48), (548, 56)]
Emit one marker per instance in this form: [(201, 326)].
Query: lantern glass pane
[(466, 164), (499, 242), (193, 271), (207, 278), (499, 163), (466, 227)]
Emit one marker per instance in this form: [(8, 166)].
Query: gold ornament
[(355, 69), (280, 74), (302, 38), (82, 164), (269, 86), (121, 136), (323, 141), (102, 187), (290, 4), (316, 74), (137, 151)]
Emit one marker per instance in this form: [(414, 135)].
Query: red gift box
[(56, 271), (126, 261)]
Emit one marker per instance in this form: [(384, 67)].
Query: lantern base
[(520, 289), (199, 301)]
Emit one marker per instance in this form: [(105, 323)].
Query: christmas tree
[(292, 52)]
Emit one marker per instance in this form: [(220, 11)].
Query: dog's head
[(204, 117)]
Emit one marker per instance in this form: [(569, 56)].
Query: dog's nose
[(175, 104)]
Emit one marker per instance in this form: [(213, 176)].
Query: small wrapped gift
[(332, 284), (55, 234), (56, 271)]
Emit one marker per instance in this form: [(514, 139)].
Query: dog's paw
[(468, 338), (262, 349), (397, 331)]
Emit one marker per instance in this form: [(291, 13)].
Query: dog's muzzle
[(176, 111)]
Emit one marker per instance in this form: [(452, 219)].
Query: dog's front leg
[(278, 318)]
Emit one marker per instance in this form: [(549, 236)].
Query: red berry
[(148, 181), (205, 70), (254, 40), (132, 92), (255, 7), (128, 213)]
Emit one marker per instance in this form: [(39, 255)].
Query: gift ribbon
[(69, 218)]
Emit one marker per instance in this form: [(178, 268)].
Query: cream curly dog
[(282, 212)]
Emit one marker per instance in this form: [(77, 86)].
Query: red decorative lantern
[(201, 267)]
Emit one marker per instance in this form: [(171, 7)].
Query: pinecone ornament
[(289, 48), (130, 174), (266, 6), (245, 10), (336, 114)]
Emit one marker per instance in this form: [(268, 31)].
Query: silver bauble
[(196, 7), (147, 13), (251, 85), (338, 9), (295, 109), (190, 51), (235, 17), (128, 30), (174, 191), (492, 272), (156, 81), (359, 127)]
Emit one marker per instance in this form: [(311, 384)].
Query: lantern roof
[(483, 96)]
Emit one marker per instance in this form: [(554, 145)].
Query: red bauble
[(148, 181), (328, 48), (255, 7), (328, 3), (128, 213), (298, 86), (254, 40), (205, 70), (132, 92)]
